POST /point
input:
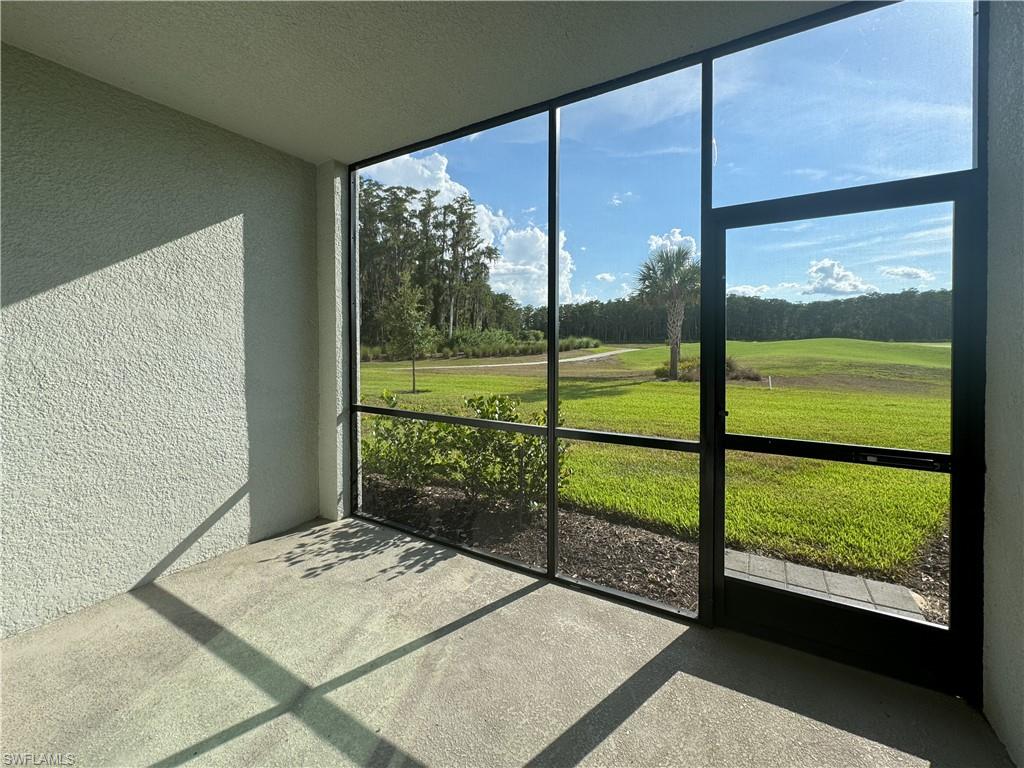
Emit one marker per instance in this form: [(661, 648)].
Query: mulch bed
[(604, 551), (626, 555), (930, 579)]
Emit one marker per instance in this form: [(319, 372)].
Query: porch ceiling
[(349, 80)]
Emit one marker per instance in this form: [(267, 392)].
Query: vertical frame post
[(712, 276), (967, 448), (552, 332), (352, 316)]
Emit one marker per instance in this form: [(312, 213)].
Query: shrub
[(577, 342), (735, 371), (407, 451), (498, 343), (484, 463), (689, 370)]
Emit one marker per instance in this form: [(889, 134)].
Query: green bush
[(483, 463), (409, 452), (735, 371), (577, 342), (488, 343), (498, 343), (689, 370)]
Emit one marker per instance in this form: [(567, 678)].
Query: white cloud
[(903, 255), (814, 174), (473, 136), (907, 273), (671, 239), (521, 269), (637, 106), (674, 149), (429, 172), (789, 286), (798, 227), (792, 245), (748, 290), (606, 277), (934, 233), (848, 178), (627, 290), (828, 276), (492, 225), (531, 209), (618, 199)]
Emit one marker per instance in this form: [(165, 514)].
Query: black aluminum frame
[(919, 652), (946, 659)]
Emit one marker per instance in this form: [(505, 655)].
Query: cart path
[(580, 359)]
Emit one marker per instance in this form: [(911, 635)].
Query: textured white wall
[(159, 327), (1004, 428)]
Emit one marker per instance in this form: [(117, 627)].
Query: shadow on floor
[(740, 664), (323, 548), (886, 712), (334, 726)]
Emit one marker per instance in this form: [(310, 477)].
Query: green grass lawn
[(845, 516)]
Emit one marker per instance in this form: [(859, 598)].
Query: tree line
[(910, 315), (408, 238), (405, 235)]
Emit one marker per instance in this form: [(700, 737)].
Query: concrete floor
[(348, 644)]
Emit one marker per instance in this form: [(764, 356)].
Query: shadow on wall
[(159, 322)]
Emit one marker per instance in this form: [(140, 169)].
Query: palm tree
[(671, 276)]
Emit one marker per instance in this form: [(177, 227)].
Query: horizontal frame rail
[(463, 421), (923, 190), (925, 461), (634, 441), (588, 435)]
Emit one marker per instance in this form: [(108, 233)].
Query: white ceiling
[(349, 80)]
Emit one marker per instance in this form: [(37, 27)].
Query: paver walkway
[(837, 587)]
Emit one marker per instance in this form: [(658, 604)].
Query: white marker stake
[(769, 383)]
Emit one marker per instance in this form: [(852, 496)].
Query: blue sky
[(881, 96)]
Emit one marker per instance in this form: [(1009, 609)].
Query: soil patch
[(595, 548), (930, 579)]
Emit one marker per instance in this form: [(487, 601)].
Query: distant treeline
[(407, 234), (908, 316)]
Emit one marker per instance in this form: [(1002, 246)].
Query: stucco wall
[(159, 328), (1004, 453)]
